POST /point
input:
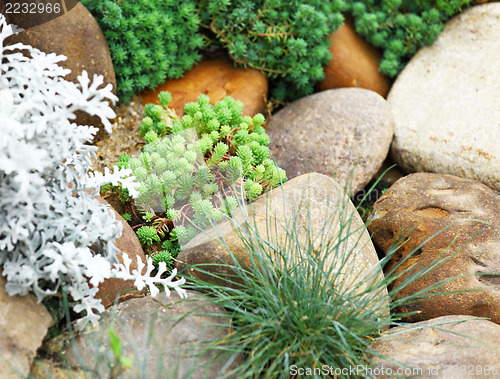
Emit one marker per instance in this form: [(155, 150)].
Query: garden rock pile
[(441, 116)]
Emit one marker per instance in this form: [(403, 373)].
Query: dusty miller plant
[(53, 232)]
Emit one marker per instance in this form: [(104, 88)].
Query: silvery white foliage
[(122, 176), (52, 231), (141, 280)]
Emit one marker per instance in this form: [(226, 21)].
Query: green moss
[(286, 40), (401, 27), (149, 40)]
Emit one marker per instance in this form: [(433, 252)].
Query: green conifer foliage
[(401, 27), (195, 168), (149, 40), (285, 39)]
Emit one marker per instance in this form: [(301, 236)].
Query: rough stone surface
[(127, 243), (354, 63), (76, 35), (445, 101), (23, 325), (343, 132), (312, 195), (161, 334), (216, 78), (444, 347), (47, 369), (463, 216)]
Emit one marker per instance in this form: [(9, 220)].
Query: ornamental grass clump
[(192, 169), (53, 233), (292, 306)]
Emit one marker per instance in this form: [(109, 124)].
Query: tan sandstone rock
[(23, 325), (313, 206), (462, 215), (445, 101), (444, 347)]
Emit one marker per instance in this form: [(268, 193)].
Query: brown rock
[(444, 347), (23, 325), (465, 252), (344, 133), (48, 369), (216, 78), (76, 35), (127, 243), (354, 63), (319, 210), (164, 337)]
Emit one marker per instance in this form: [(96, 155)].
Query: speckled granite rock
[(343, 132), (164, 336)]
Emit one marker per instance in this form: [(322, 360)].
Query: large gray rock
[(445, 101), (344, 133), (164, 337), (23, 325), (308, 208), (444, 347), (457, 222)]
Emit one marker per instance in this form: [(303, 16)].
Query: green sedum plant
[(283, 39), (149, 40), (402, 27), (193, 169)]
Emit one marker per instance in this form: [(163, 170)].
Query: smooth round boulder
[(445, 101), (449, 232), (216, 78), (343, 133)]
